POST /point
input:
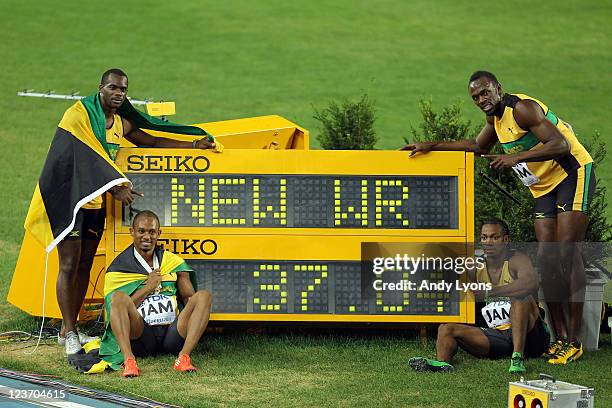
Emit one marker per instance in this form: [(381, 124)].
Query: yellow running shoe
[(553, 348), (568, 353)]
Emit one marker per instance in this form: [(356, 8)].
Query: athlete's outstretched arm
[(140, 138), (529, 115), (483, 143)]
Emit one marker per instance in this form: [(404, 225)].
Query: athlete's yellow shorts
[(574, 193)]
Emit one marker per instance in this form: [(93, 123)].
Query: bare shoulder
[(520, 260), (528, 113), (128, 126)]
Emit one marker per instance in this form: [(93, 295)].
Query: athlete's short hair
[(108, 73), (497, 221), (145, 213), (483, 74)]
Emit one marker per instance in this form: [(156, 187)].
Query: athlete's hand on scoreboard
[(125, 194), (501, 161), (204, 143), (154, 280), (422, 147)]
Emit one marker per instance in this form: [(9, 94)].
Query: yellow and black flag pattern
[(78, 167), (127, 275)]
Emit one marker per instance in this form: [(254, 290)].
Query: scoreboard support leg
[(423, 335)]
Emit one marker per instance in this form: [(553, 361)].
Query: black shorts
[(500, 341), (89, 224), (163, 339), (574, 193)]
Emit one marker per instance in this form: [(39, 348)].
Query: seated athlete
[(515, 329), (141, 289)]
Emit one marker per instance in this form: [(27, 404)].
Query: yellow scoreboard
[(277, 235)]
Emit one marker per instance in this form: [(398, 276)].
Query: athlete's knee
[(548, 255), (68, 265), (204, 296), (447, 330), (519, 309), (569, 252), (120, 300)]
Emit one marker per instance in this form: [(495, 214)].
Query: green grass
[(232, 59), (298, 369)]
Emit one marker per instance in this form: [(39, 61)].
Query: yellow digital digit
[(279, 287), (401, 304), (316, 274)]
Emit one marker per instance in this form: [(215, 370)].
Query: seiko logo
[(137, 162), (189, 246)]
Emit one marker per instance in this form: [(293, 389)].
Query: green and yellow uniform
[(561, 184), (496, 313)]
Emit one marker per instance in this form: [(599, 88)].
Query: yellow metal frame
[(286, 244), (262, 132)]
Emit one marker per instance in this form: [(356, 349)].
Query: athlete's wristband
[(193, 144)]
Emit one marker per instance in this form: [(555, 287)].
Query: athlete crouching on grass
[(513, 316), (144, 280)]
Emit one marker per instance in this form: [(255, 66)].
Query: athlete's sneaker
[(83, 339), (130, 368), (517, 365), (422, 364), (554, 348), (71, 343), (183, 363), (568, 353)]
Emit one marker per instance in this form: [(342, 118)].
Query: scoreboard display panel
[(277, 235)]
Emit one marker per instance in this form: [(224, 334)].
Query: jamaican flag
[(78, 167), (127, 275)]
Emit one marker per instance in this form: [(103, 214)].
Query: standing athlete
[(548, 158), (77, 250)]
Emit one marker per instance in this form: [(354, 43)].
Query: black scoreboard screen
[(299, 201)]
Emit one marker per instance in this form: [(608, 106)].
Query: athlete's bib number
[(526, 176), (497, 314), (158, 309)]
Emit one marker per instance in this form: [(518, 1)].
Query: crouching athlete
[(141, 289), (515, 328)]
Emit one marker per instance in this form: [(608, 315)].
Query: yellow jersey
[(113, 140), (497, 311), (540, 177)]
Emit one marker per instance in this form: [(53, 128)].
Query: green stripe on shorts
[(585, 193)]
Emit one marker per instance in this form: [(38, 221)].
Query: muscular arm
[(483, 143), (529, 115), (184, 286), (526, 281), (140, 138)]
